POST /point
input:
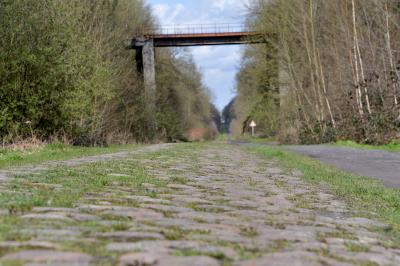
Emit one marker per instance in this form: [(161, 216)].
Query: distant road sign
[(253, 126)]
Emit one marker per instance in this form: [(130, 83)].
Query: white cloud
[(222, 5), (177, 10), (161, 10), (167, 13)]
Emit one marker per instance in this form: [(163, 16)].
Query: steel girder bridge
[(146, 40)]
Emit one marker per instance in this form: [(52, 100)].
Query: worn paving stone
[(144, 199), (94, 208), (139, 259), (58, 233), (127, 236), (53, 210), (284, 259), (142, 246), (29, 244), (183, 224), (48, 216), (134, 213), (165, 208), (49, 256), (151, 259), (186, 199), (213, 218), (365, 222), (170, 247), (83, 217), (184, 261)]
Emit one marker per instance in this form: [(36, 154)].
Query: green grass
[(9, 158), (255, 139), (359, 192), (62, 187), (68, 186), (222, 137), (353, 247), (193, 253), (179, 180), (392, 147), (338, 233)]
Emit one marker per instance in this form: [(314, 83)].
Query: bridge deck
[(200, 35), (195, 35), (196, 39)]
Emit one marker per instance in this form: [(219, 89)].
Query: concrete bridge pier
[(149, 70), (145, 63)]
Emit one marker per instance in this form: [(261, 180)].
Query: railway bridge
[(145, 42)]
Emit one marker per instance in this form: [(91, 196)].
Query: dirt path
[(222, 206), (373, 163)]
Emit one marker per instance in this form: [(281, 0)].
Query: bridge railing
[(193, 29)]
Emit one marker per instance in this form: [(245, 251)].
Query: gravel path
[(227, 207), (373, 163)]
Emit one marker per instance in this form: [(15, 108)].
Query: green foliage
[(183, 101), (258, 91), (25, 192), (65, 71), (228, 116), (52, 152), (33, 77), (394, 146), (336, 67), (216, 117)]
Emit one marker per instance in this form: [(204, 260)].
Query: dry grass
[(33, 144)]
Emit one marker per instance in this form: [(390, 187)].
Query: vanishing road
[(197, 204)]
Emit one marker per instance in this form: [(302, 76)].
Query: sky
[(218, 64)]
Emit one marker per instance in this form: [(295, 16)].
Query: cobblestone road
[(223, 206)]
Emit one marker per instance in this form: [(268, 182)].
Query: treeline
[(65, 73), (329, 70)]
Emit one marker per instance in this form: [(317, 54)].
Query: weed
[(354, 247), (248, 231), (179, 180), (339, 233), (278, 245)]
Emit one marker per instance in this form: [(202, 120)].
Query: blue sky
[(219, 64)]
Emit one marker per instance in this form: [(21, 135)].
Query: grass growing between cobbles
[(66, 186), (392, 147), (9, 157), (63, 186), (112, 181), (361, 193)]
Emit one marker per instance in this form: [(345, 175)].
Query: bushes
[(339, 69), (33, 80), (64, 71)]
